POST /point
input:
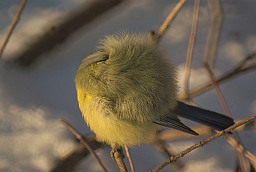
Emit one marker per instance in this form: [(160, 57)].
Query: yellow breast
[(108, 127)]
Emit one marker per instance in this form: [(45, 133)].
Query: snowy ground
[(33, 100)]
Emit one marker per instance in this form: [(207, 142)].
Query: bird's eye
[(100, 52), (95, 57), (105, 57)]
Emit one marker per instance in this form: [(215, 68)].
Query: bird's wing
[(212, 119), (173, 122)]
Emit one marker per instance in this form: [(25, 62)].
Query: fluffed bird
[(128, 87)]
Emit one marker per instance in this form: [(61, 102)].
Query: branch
[(170, 134), (128, 154), (178, 165), (191, 44), (57, 34), (243, 162), (245, 65), (118, 155), (214, 32), (218, 90), (69, 162), (240, 148), (84, 143), (202, 143), (169, 19), (12, 26)]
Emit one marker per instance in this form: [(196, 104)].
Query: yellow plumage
[(128, 86), (123, 87), (108, 128)]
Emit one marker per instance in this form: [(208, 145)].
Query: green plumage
[(128, 86), (137, 81)]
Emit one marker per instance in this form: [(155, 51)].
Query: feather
[(174, 122), (212, 119)]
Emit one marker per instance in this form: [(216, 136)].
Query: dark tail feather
[(173, 122), (212, 119)]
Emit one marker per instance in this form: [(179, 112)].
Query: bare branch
[(78, 153), (15, 20), (247, 64), (217, 90), (202, 143), (118, 155), (169, 19), (214, 32), (191, 45), (84, 143), (178, 165), (128, 154), (57, 34), (240, 148), (167, 135), (244, 165)]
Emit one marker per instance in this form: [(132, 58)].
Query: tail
[(206, 117)]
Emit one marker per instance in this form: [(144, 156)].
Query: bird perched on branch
[(128, 87)]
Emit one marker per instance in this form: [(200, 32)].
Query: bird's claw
[(117, 151)]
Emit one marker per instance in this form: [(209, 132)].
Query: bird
[(128, 88)]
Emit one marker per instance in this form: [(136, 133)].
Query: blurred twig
[(128, 154), (191, 45), (245, 65), (59, 33), (243, 161), (162, 30), (15, 20), (214, 32), (202, 143), (84, 143), (169, 19), (160, 144), (209, 61), (241, 149), (217, 90), (69, 162)]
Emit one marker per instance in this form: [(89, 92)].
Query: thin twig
[(244, 66), (214, 32), (83, 142), (191, 45), (68, 162), (167, 135), (118, 155), (202, 143), (178, 165), (240, 148), (169, 19), (217, 89), (128, 154), (242, 160), (15, 20)]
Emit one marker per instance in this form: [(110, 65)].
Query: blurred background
[(38, 67)]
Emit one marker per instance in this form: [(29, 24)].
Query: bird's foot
[(117, 151)]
